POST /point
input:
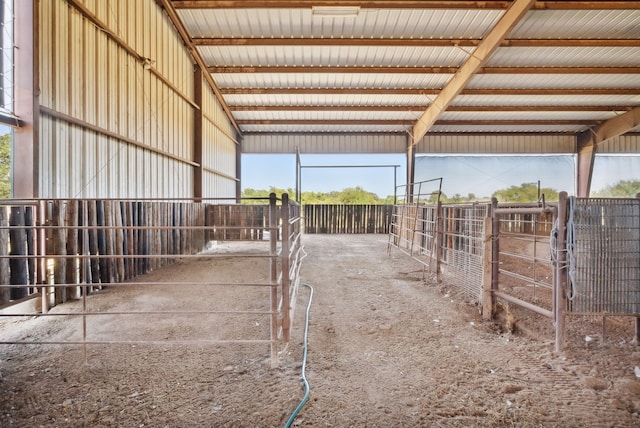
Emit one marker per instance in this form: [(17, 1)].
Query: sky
[(480, 175)]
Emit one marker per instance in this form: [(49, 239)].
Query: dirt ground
[(386, 349)]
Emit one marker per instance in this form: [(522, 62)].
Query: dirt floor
[(386, 349)]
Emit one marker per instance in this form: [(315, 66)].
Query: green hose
[(304, 362)]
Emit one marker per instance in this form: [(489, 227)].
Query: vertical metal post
[(273, 264), (286, 281), (495, 246), (41, 246), (84, 273), (560, 274), (438, 239), (487, 258), (636, 338)]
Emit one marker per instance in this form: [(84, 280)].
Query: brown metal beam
[(471, 66), (430, 91), (510, 108), (397, 4), (324, 41), (423, 70), (409, 122), (588, 141)]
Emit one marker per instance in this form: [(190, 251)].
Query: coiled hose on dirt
[(303, 377)]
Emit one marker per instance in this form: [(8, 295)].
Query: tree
[(621, 189), (263, 195), (5, 166), (349, 196), (526, 192)]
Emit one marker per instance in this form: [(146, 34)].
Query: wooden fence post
[(59, 249), (5, 278), (71, 270)]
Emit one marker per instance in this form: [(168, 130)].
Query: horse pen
[(187, 323)]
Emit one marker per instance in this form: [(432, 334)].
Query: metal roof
[(558, 67)]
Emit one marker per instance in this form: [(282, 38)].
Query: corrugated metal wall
[(323, 143), (432, 143), (112, 125), (622, 144), (219, 148), (499, 144)]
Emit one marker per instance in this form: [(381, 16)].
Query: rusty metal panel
[(604, 255)]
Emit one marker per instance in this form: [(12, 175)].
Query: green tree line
[(525, 192), (5, 166)]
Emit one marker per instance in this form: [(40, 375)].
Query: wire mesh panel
[(449, 238), (525, 264), (604, 255), (463, 246)]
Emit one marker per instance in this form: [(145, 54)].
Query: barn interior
[(126, 237)]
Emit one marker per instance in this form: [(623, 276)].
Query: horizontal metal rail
[(524, 304)]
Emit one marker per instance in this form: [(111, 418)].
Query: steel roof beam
[(424, 70), (587, 144), (326, 41), (474, 63), (397, 4), (410, 108), (431, 91), (410, 122)]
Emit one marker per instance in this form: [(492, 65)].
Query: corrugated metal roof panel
[(565, 57), (335, 56), (555, 81), (578, 24), (545, 100), (370, 23), (330, 80), (320, 115), (327, 100)]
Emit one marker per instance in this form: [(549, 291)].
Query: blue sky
[(480, 175)]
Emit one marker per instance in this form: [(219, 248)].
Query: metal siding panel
[(60, 88), (496, 144), (621, 144), (322, 143)]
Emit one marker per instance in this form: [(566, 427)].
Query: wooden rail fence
[(341, 219)]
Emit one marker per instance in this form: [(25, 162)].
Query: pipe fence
[(574, 257), (57, 251)]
